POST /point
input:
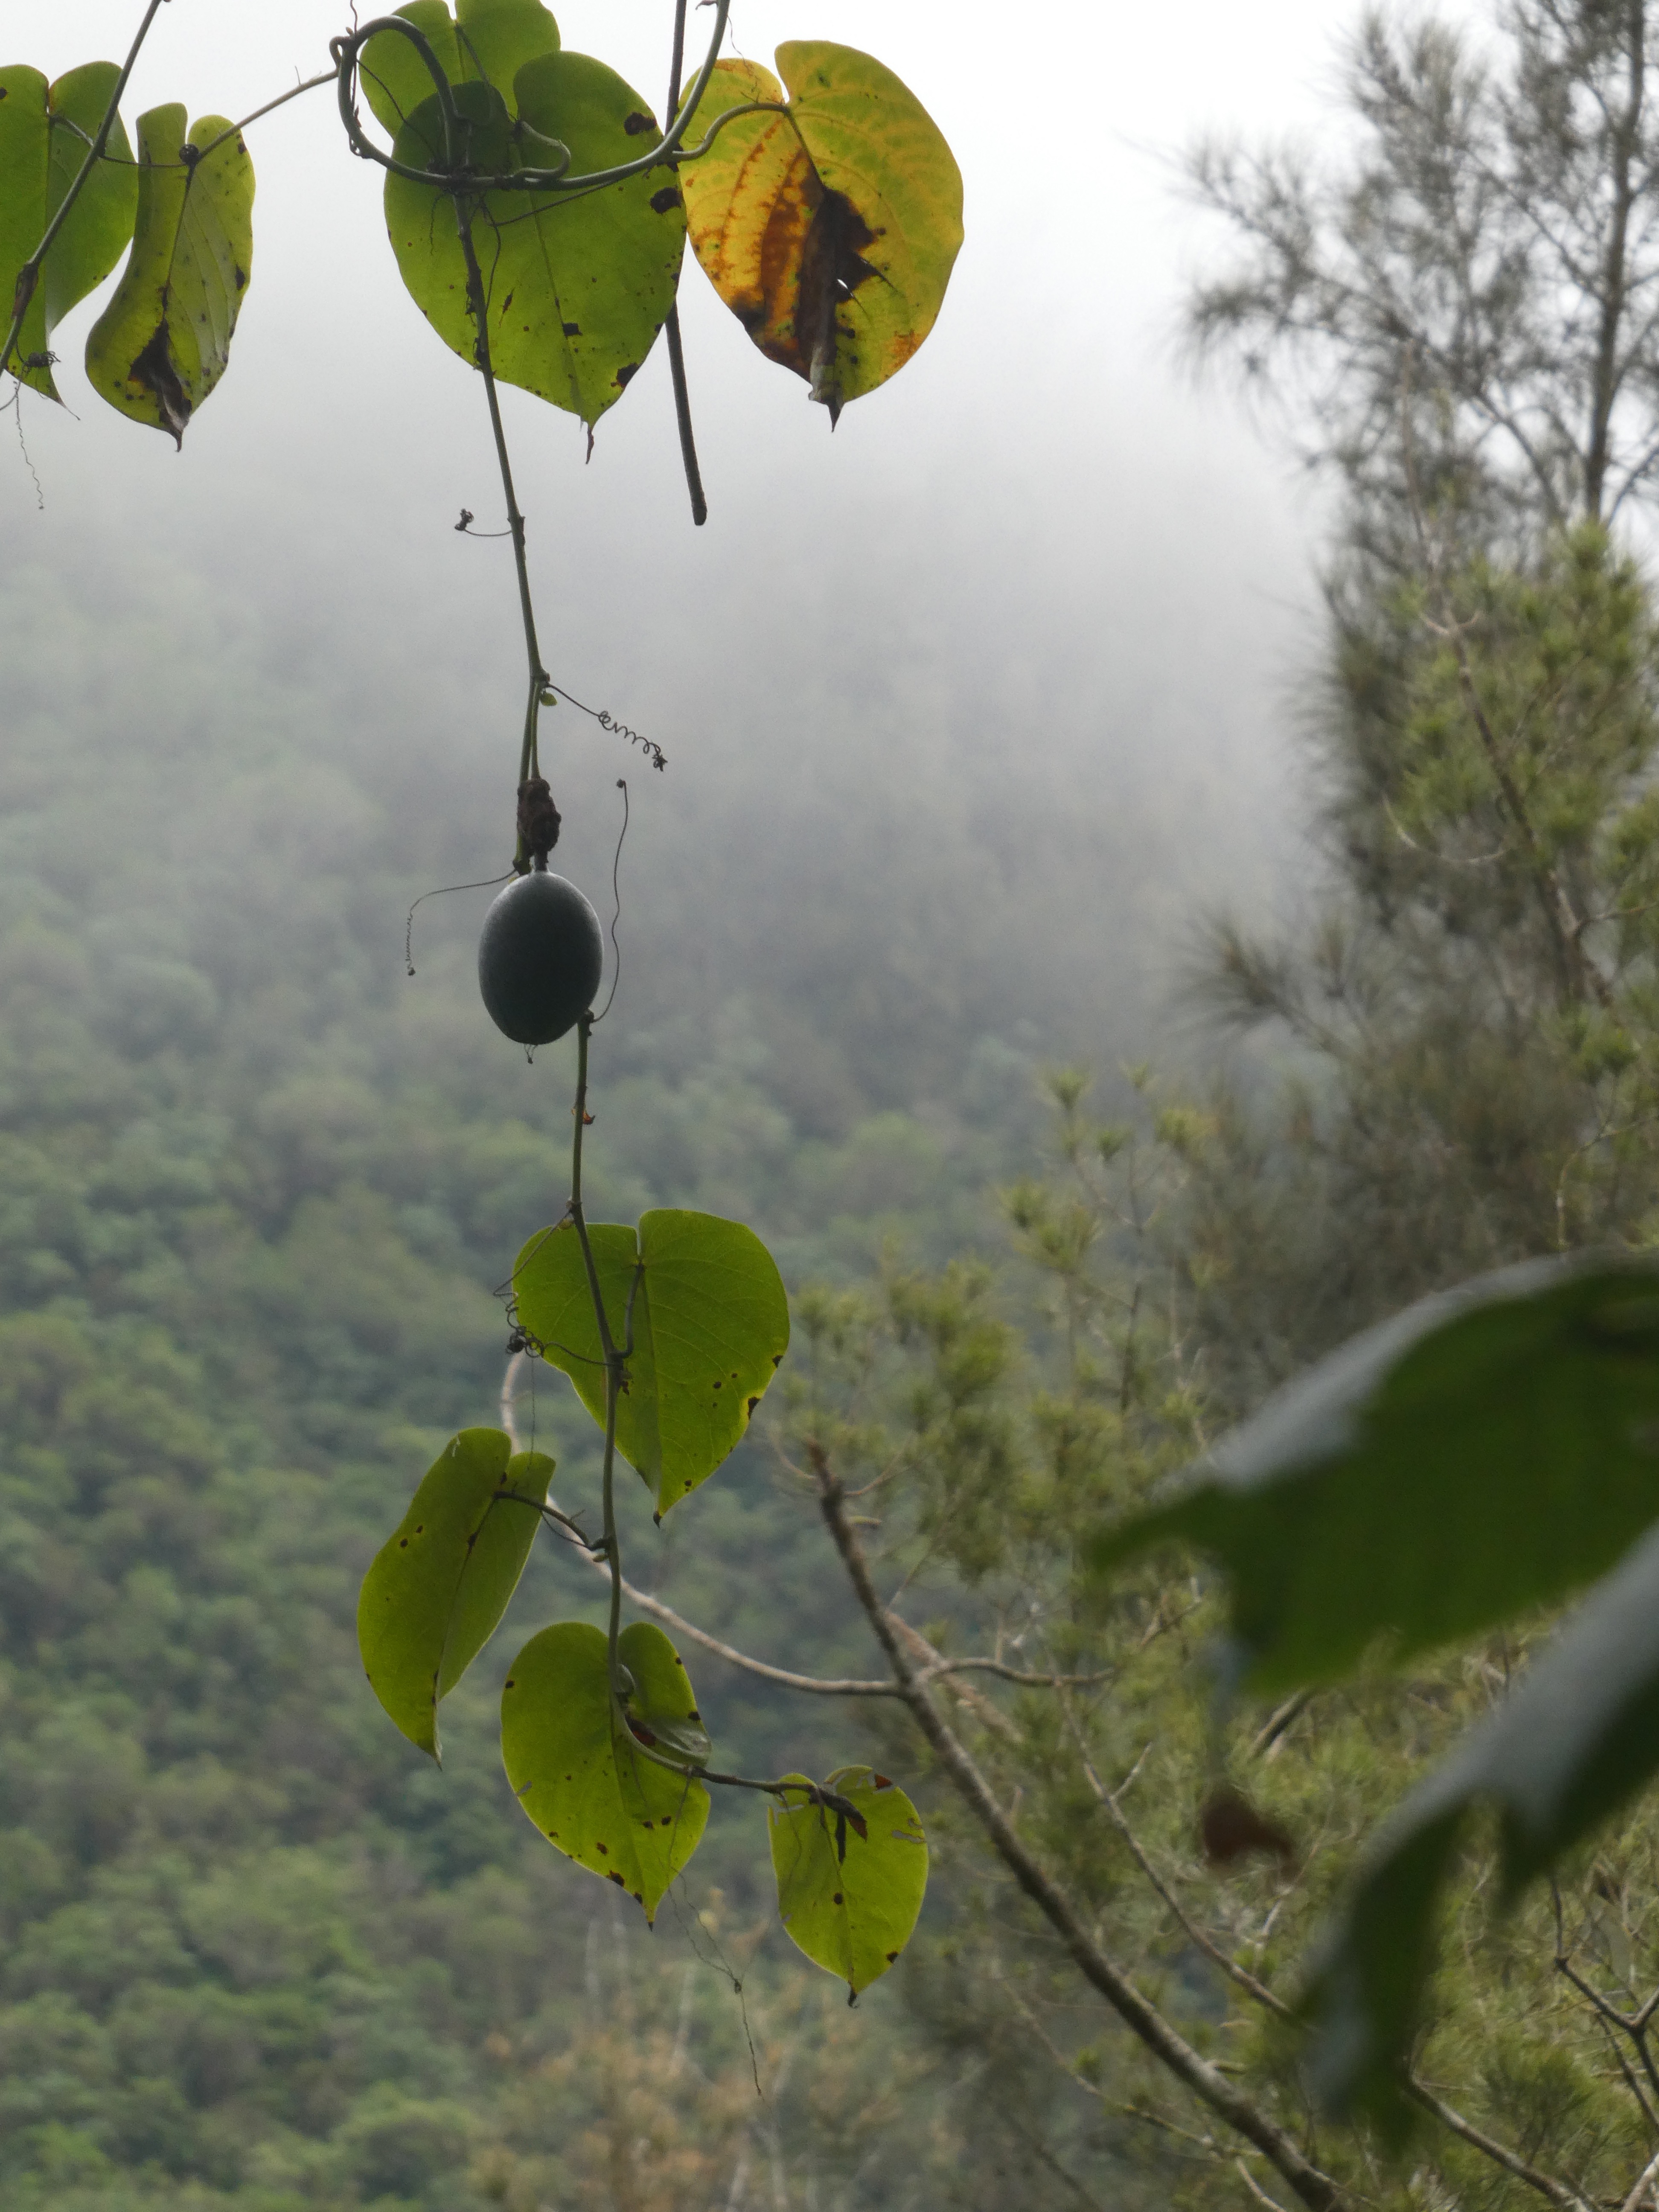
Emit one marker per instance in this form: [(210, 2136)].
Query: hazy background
[(970, 700)]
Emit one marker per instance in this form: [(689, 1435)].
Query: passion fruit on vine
[(539, 959)]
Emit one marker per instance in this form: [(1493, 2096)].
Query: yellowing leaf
[(162, 343), (830, 231)]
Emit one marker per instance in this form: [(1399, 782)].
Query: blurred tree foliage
[(985, 1424), (1461, 1065), (1453, 1062), (1488, 241)]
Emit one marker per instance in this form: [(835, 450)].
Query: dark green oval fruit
[(539, 959)]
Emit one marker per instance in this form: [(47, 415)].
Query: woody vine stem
[(609, 1547), (465, 190)]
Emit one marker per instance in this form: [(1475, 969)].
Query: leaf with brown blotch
[(829, 227), (162, 344)]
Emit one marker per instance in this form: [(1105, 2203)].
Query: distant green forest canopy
[(259, 1186)]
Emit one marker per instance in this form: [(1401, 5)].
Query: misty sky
[(1039, 541)]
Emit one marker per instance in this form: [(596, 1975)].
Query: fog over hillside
[(964, 707)]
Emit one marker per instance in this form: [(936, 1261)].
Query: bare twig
[(1278, 1720), (1644, 2182), (1024, 1679), (1255, 2188), (1107, 1800), (1559, 2193), (989, 1715), (819, 1686), (1636, 2029)]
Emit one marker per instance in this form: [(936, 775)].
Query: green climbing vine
[(538, 215)]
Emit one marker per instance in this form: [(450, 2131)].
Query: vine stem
[(667, 150), (28, 276), (311, 84), (672, 328), (347, 52), (529, 756), (616, 1358), (231, 131), (609, 1547)]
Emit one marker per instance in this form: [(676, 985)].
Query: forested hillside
[(259, 1187)]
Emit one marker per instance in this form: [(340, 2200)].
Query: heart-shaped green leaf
[(579, 1773), (1492, 1448), (161, 344), (578, 284), (710, 1321), (434, 1595), (830, 231), (45, 132), (490, 42), (850, 1882)]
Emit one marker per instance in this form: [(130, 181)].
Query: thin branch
[(1559, 2193), (1645, 2181), (1614, 2017), (270, 106), (676, 348), (1255, 2188), (1045, 2157), (1278, 1721), (1213, 1951), (1206, 2083), (818, 1685), (986, 1714), (1026, 1681)]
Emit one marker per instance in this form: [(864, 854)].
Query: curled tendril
[(652, 751)]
